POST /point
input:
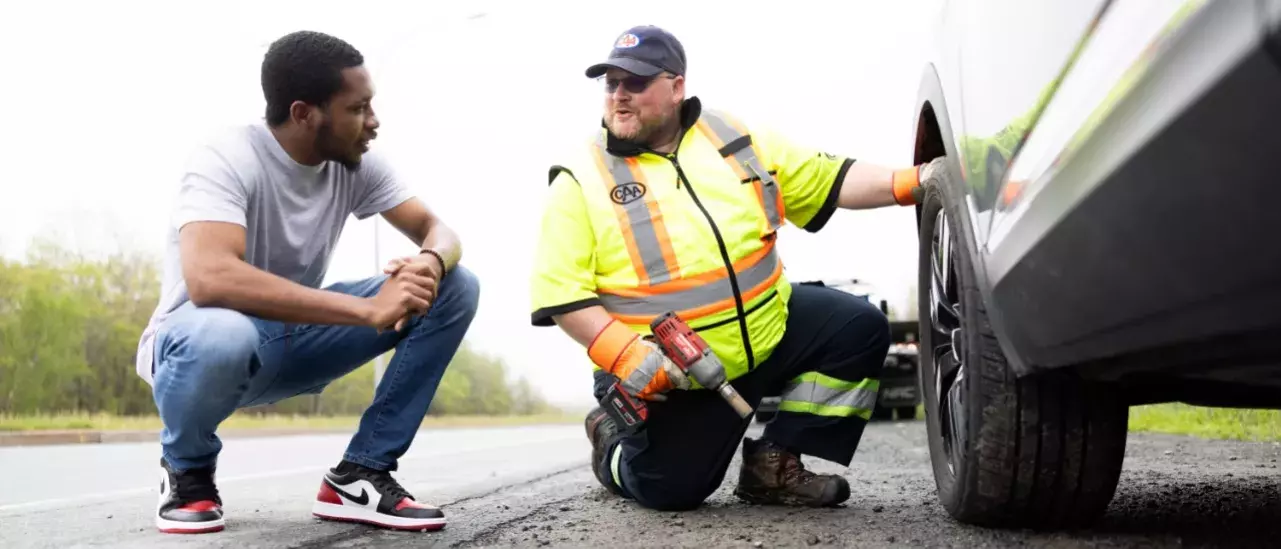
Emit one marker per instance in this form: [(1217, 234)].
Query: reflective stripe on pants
[(823, 395)]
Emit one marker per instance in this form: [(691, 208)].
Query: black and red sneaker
[(355, 493), (189, 502)]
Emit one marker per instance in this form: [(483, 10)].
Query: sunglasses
[(633, 84)]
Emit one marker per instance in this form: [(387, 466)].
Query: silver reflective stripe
[(643, 374), (746, 157), (698, 296), (817, 394), (641, 223)]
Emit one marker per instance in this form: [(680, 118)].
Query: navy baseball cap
[(644, 51)]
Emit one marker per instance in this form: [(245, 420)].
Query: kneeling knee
[(670, 501), (670, 492), (868, 332), (878, 331)]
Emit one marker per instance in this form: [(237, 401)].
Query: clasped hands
[(409, 291)]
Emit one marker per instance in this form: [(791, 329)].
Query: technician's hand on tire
[(929, 175)]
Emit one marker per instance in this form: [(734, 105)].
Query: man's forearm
[(239, 286), (444, 241), (583, 325), (867, 186)]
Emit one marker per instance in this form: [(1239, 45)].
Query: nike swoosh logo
[(362, 500)]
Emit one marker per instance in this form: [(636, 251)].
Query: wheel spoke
[(956, 426), (944, 315), (946, 365)]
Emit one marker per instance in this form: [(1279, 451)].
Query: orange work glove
[(639, 364), (910, 183)]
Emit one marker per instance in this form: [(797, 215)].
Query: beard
[(640, 131), (332, 148)]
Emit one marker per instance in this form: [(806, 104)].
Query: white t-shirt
[(293, 214)]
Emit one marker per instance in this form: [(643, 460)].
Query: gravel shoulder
[(531, 487), (1175, 492)]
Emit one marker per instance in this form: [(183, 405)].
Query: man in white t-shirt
[(243, 320)]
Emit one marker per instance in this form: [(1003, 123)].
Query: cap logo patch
[(628, 40)]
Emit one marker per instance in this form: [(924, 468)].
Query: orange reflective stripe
[(639, 218), (742, 174), (699, 311), (760, 198), (624, 224), (656, 219), (691, 282), (704, 298), (720, 144), (725, 304), (744, 158)]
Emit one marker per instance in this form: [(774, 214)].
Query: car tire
[(905, 412), (1042, 451)]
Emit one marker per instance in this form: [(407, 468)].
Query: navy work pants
[(684, 451)]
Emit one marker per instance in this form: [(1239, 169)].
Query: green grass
[(1218, 423), (1176, 418), (1199, 421), (109, 422)]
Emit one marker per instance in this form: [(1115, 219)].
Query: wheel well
[(929, 143), (929, 139)]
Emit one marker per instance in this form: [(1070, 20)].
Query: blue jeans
[(210, 361)]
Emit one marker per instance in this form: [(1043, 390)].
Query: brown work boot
[(773, 476), (601, 432)]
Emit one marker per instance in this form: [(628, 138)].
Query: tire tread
[(1050, 446)]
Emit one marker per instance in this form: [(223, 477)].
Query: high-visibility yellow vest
[(692, 232)]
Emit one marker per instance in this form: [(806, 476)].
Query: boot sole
[(833, 495)]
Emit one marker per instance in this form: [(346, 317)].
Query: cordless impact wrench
[(687, 350)]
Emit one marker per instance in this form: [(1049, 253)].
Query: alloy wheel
[(947, 337)]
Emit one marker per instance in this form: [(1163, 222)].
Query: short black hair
[(304, 66)]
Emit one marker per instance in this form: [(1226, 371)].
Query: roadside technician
[(675, 207)]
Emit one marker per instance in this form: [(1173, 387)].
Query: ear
[(678, 89), (303, 114)]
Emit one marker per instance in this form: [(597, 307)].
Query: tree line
[(69, 328)]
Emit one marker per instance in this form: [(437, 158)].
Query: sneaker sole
[(175, 527), (347, 513)]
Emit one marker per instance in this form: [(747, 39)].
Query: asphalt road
[(530, 486)]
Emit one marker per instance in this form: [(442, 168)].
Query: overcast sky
[(104, 100)]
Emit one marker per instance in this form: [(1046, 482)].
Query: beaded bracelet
[(443, 269)]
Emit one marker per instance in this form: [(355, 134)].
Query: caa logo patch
[(628, 40), (627, 193)]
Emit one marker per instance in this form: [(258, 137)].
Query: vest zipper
[(729, 266)]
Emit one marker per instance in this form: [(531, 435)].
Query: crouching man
[(243, 320)]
